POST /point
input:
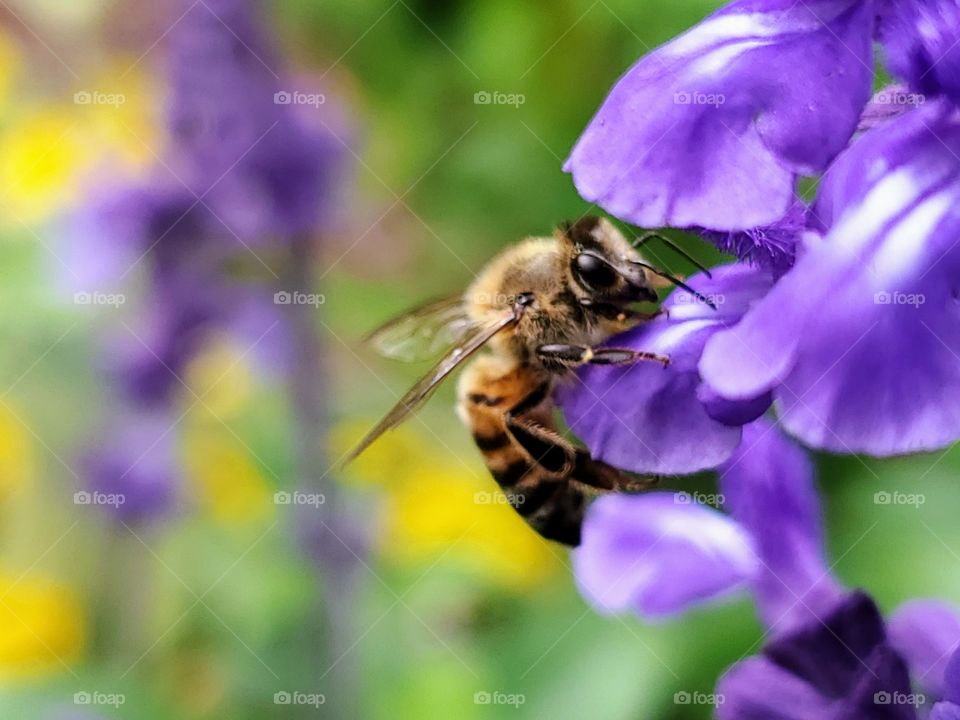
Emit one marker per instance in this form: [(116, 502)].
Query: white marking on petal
[(679, 333), (906, 244)]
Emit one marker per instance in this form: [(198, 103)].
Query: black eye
[(593, 272)]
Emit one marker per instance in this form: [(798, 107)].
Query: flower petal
[(727, 113), (922, 43), (769, 489), (658, 554), (926, 632), (649, 419), (758, 689), (862, 336)]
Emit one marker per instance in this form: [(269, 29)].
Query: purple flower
[(132, 471), (659, 552), (839, 665), (207, 239), (859, 341), (712, 129), (649, 419), (949, 709), (829, 652)]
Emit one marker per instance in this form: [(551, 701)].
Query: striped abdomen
[(541, 491)]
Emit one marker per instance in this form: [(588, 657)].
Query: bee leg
[(545, 446), (573, 356), (598, 475)]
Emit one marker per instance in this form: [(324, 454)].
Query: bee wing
[(421, 392), (423, 332)]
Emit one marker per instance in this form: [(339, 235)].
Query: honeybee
[(540, 309)]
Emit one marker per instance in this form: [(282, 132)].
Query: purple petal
[(649, 419), (862, 337), (132, 473), (769, 489), (835, 667), (945, 711), (658, 554), (701, 129), (828, 650), (926, 633), (952, 678), (922, 43), (757, 689)]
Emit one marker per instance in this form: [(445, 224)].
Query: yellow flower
[(439, 505), (49, 152), (221, 377), (43, 629), (40, 153), (229, 484), (16, 460)]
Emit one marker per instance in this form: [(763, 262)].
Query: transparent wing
[(423, 333), (421, 392)]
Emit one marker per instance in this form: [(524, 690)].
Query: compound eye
[(593, 272)]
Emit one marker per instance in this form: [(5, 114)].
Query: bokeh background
[(391, 589)]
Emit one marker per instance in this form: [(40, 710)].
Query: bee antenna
[(676, 281), (672, 245)]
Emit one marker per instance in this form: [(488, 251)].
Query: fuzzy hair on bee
[(538, 310)]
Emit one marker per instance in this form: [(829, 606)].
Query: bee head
[(603, 264)]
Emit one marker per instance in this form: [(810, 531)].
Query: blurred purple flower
[(246, 178), (649, 419), (859, 341)]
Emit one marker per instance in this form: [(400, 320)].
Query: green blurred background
[(213, 611)]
